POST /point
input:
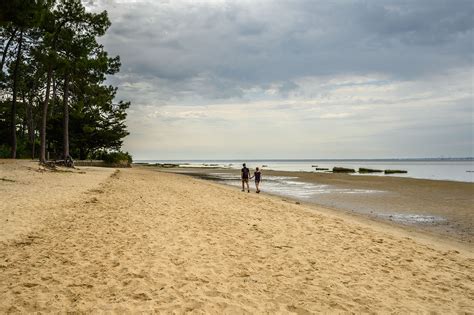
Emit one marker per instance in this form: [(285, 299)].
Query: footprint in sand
[(297, 310), (141, 296)]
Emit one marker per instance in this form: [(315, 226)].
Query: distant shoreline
[(454, 159)]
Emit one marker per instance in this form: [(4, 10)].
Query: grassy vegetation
[(116, 158)]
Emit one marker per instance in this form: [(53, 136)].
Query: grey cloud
[(374, 73), (420, 22), (240, 44)]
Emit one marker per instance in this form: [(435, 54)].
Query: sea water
[(436, 169)]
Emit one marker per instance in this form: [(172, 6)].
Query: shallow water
[(288, 186), (405, 218)]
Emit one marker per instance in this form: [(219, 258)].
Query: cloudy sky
[(241, 79)]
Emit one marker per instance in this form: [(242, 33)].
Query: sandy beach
[(387, 199), (131, 240)]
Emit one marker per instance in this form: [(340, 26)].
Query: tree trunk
[(66, 118), (5, 50), (15, 84), (31, 125), (24, 120), (45, 116), (33, 147), (53, 97)]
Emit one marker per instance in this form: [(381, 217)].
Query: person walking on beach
[(245, 172), (258, 176)]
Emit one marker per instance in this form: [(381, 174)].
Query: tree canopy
[(53, 97)]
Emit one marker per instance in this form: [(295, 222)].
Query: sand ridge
[(150, 241)]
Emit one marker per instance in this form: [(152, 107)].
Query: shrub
[(5, 152), (117, 157)]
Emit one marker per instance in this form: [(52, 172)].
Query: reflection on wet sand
[(290, 186)]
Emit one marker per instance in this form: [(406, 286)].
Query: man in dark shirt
[(245, 172)]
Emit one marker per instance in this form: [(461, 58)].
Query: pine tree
[(50, 56)]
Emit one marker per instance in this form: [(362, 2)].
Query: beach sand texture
[(450, 202), (141, 240)]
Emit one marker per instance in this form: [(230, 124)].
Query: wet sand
[(401, 201), (140, 240)]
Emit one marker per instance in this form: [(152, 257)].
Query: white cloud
[(305, 78), (339, 122)]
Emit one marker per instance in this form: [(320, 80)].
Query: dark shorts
[(257, 181), (245, 179)]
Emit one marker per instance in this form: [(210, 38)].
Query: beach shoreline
[(142, 240), (449, 200)]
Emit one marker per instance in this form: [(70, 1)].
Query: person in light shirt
[(258, 176)]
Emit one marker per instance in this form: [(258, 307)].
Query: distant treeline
[(53, 100)]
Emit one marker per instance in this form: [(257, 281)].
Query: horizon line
[(318, 159)]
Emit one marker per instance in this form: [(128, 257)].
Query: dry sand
[(29, 193), (142, 240), (451, 201)]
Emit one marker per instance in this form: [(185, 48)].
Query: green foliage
[(115, 157), (22, 150), (59, 38), (4, 151), (22, 13)]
